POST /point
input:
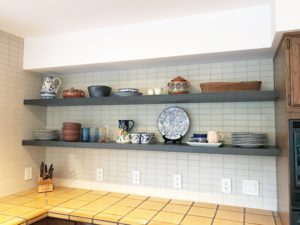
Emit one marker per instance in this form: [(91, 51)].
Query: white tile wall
[(201, 173), (17, 121)]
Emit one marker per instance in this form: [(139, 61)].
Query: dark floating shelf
[(227, 149), (244, 96)]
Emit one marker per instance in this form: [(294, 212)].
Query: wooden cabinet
[(293, 45), (288, 56)]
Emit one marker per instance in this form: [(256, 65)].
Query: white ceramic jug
[(50, 87)]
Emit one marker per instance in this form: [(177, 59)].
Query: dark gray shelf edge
[(245, 96), (227, 149)]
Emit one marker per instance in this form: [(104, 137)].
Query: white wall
[(232, 30), (287, 16)]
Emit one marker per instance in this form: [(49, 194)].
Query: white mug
[(214, 136)]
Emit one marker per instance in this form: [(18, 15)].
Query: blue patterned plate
[(173, 123)]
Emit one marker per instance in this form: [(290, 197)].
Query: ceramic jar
[(50, 87), (147, 138), (135, 138), (178, 85), (73, 93)]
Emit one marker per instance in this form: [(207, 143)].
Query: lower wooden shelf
[(227, 149)]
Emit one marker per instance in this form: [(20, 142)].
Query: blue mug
[(85, 134), (124, 125)]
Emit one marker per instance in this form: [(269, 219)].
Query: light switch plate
[(28, 173), (250, 187)]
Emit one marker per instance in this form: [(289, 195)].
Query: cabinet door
[(294, 98)]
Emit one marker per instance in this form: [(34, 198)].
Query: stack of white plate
[(249, 139), (46, 134), (123, 92)]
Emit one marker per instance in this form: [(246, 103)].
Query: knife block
[(45, 185)]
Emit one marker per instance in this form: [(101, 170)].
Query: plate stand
[(176, 141)]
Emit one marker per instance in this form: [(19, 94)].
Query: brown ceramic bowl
[(73, 93), (71, 125)]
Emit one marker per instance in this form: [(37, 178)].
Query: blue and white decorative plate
[(173, 123)]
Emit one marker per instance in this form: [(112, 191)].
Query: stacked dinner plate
[(249, 139), (46, 135), (124, 92)]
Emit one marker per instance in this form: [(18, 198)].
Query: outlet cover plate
[(226, 185), (250, 187), (28, 173), (177, 181), (99, 174), (136, 177)]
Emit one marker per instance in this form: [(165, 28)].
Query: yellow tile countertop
[(106, 208)]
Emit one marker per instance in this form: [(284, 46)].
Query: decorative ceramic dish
[(200, 144), (127, 94), (173, 123)]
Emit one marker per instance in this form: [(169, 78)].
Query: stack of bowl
[(71, 131)]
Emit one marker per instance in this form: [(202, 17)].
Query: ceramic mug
[(147, 138), (214, 136), (135, 138), (85, 134), (124, 125)]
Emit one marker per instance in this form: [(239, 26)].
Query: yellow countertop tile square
[(152, 205), (259, 219), (7, 198), (161, 223), (259, 212), (142, 214), (108, 199), (36, 195), (181, 202), (61, 210), (130, 202), (4, 218), (226, 222), (74, 204), (118, 210), (230, 215), (51, 200), (96, 207), (107, 217), (26, 192), (231, 208), (278, 221), (155, 199), (61, 188), (4, 206), (83, 213), (38, 203), (176, 208), (33, 214), (88, 197), (205, 205), (204, 212), (117, 194), (95, 192), (15, 221), (79, 191), (68, 195), (138, 197), (19, 200), (193, 220), (168, 217), (133, 221), (17, 210)]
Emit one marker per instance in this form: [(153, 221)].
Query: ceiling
[(30, 18)]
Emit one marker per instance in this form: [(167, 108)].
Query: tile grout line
[(213, 219), (158, 211), (274, 218), (186, 212), (133, 208), (244, 216)]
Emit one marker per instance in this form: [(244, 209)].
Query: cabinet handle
[(289, 99)]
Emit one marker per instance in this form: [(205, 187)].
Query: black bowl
[(99, 91)]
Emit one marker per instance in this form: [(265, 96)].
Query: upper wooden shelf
[(245, 96)]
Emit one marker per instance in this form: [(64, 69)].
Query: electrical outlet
[(250, 187), (136, 177), (28, 173), (226, 185), (177, 181), (99, 174)]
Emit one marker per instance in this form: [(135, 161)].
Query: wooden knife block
[(45, 185)]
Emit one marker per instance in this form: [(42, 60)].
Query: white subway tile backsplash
[(201, 173)]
